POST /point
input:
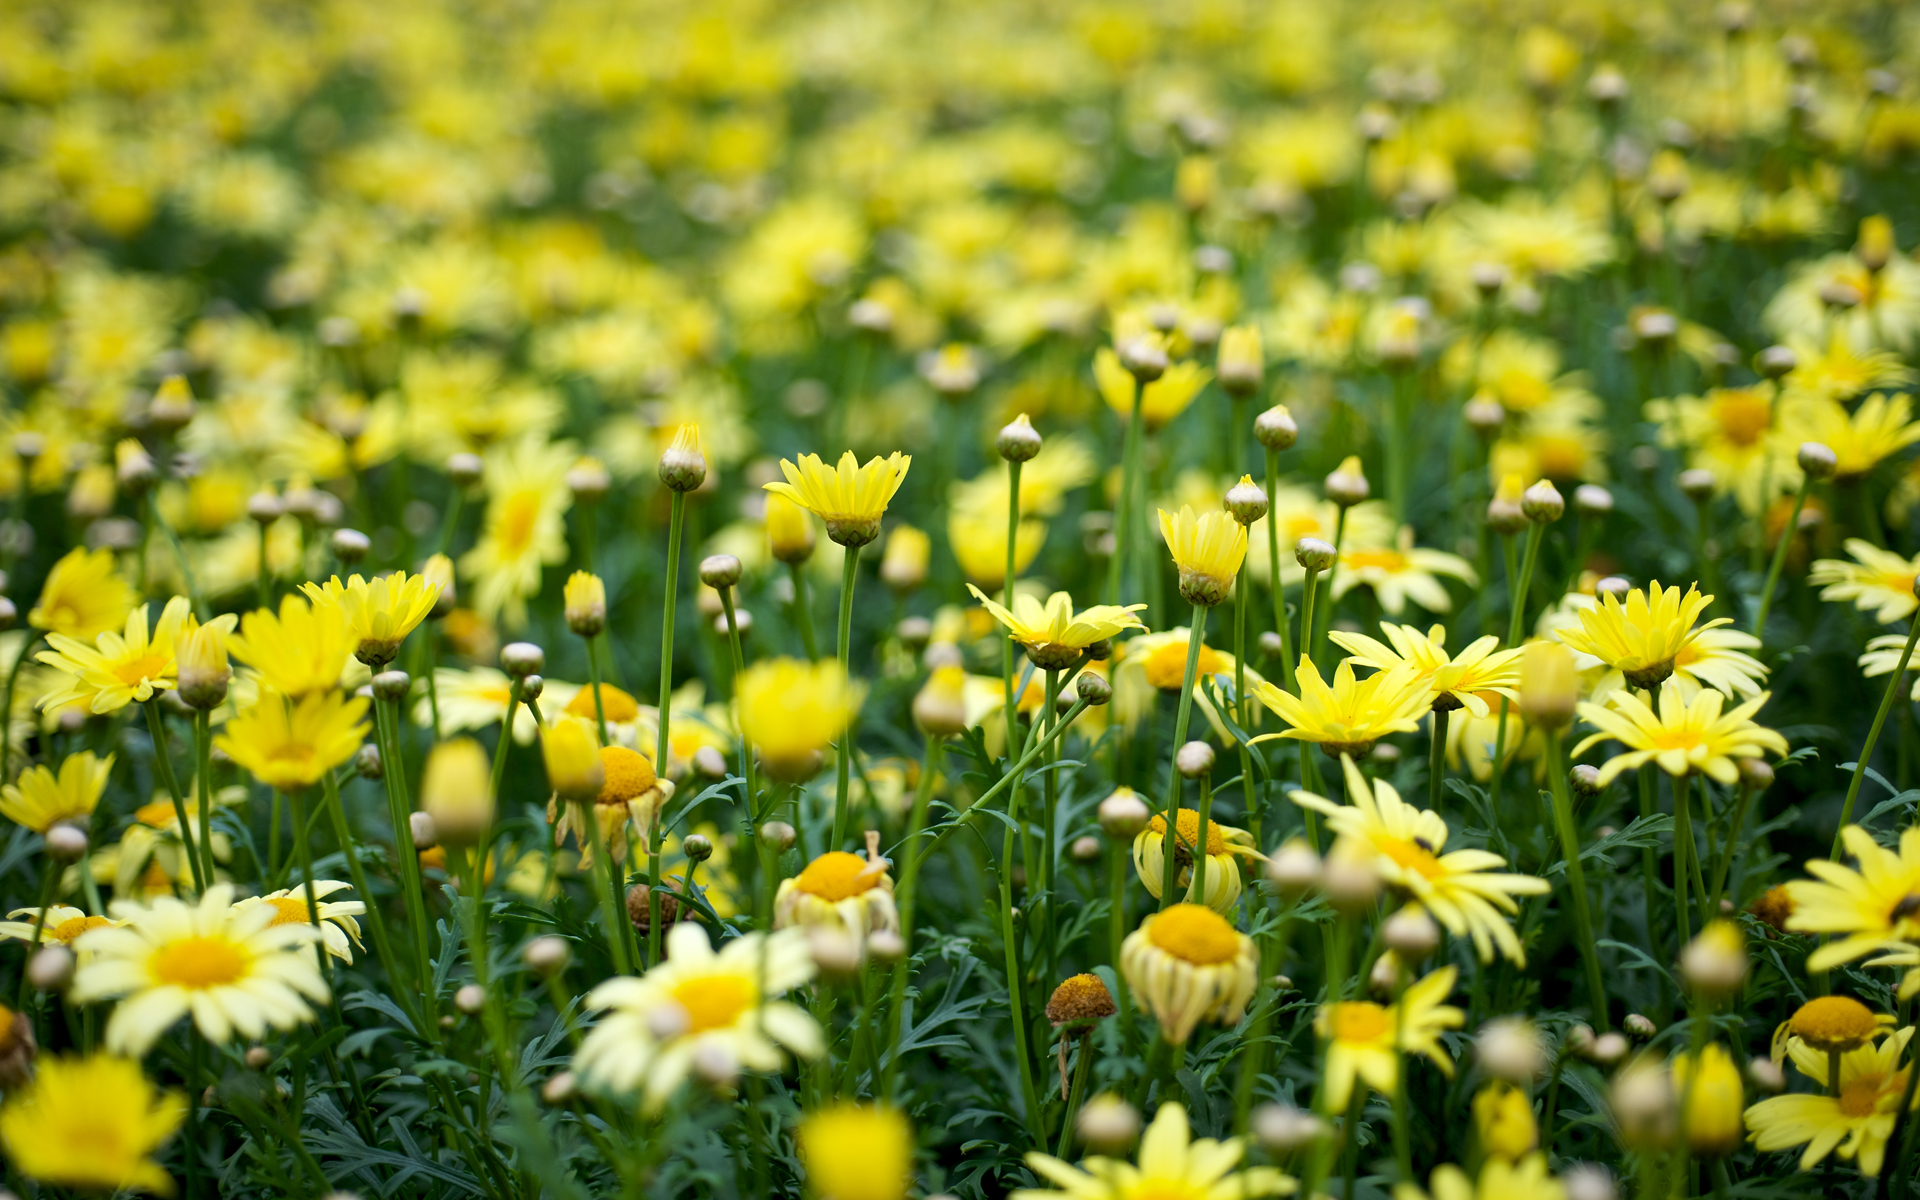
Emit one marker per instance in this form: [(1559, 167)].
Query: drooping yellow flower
[(1856, 1123), (1226, 846), (856, 1152), (379, 613), (849, 497), (628, 804), (39, 799), (1467, 680), (1352, 714), (91, 1124), (83, 597), (300, 650), (229, 966), (842, 892), (727, 1001), (1709, 1087), (1640, 638), (1172, 1164), (790, 712), (1684, 737), (575, 769), (121, 668), (1053, 635), (1881, 427), (1877, 581), (291, 745), (1186, 964), (1365, 1041), (1462, 889), (339, 919), (1401, 572), (1208, 550)]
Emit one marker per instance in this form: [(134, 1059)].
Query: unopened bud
[(1755, 773), (1484, 415), (1350, 884), (1589, 1181), (1107, 1123), (66, 842), (588, 481), (1123, 815), (470, 999), (560, 1088), (1817, 459), (683, 467), (1592, 500), (264, 507), (50, 969), (887, 946), (1697, 484), (1314, 554), (464, 469), (1094, 689), (392, 685), (1509, 1048), (1084, 849), (1639, 1027), (1542, 503), (1776, 361), (1585, 780), (1294, 869), (425, 835), (1766, 1076), (1284, 1129), (523, 658), (546, 954), (778, 834), (1411, 934), (258, 1057), (1145, 358), (1246, 501), (350, 546), (720, 571), (708, 761), (1275, 428), (1194, 760), (1019, 441), (1347, 485)]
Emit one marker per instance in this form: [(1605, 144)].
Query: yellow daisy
[(299, 650), (627, 807), (1877, 581), (1460, 889), (1841, 371), (39, 799), (1351, 715), (339, 927), (1226, 846), (1458, 681), (856, 1151), (1875, 907), (1362, 1044), (1052, 634), (790, 712), (230, 966), (1186, 964), (1173, 1166), (1856, 1123), (1642, 637), (91, 1124), (838, 891), (1401, 572), (1881, 427), (288, 745), (1683, 737), (1161, 401), (64, 923), (524, 529), (849, 497), (122, 668), (1208, 550), (83, 597), (378, 614)]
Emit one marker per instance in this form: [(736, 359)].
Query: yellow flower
[(456, 790), (1161, 401), (849, 497), (574, 767), (1350, 716), (1856, 1123), (230, 966), (524, 529), (856, 1152), (838, 891), (1186, 964), (723, 1003), (1052, 634), (1208, 550), (978, 538), (1466, 681), (1881, 427), (903, 564), (585, 603), (1460, 889), (1841, 371), (1641, 638), (1730, 432), (1173, 1166), (299, 651), (83, 596), (1240, 360), (339, 928), (91, 1124), (1715, 658), (379, 614), (789, 530), (1226, 845), (39, 799), (1713, 1096), (631, 795), (790, 712), (63, 924), (1876, 907), (290, 745), (1684, 737), (1365, 1041), (1503, 1117), (1877, 581), (1527, 1179), (121, 668)]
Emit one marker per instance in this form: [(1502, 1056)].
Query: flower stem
[(608, 886), (676, 521), (1723, 861), (803, 612), (1016, 986), (909, 895), (1316, 630), (593, 681), (1576, 878), (1309, 592), (203, 784), (393, 772), (1081, 1067), (1873, 735), (1240, 706), (1006, 595), (843, 764), (382, 940), (1280, 622), (1195, 633), (6, 707), (1682, 850), (1437, 756), (163, 763), (1125, 520)]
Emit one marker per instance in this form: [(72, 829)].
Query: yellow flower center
[(1162, 1189), (837, 875), (290, 910), (1195, 934), (1411, 855), (1860, 1097), (1390, 561), (131, 671), (200, 962), (617, 706), (159, 814), (1359, 1021), (1167, 666), (628, 774), (1688, 655), (1744, 416), (73, 927), (714, 1001), (1833, 1022), (1188, 822), (519, 513)]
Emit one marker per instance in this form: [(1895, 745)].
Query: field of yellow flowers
[(865, 599)]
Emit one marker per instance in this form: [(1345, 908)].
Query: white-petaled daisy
[(64, 923), (655, 1024), (338, 926), (229, 966)]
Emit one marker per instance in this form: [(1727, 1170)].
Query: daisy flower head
[(1841, 371), (83, 597), (1463, 890), (699, 1001), (838, 891), (1642, 637), (1465, 680), (1160, 400), (1830, 1025), (380, 613), (524, 529), (232, 967), (1882, 657), (1349, 716), (64, 923), (1365, 1041), (1881, 427), (1053, 635), (1186, 964), (1173, 1163), (848, 497), (121, 668), (1683, 737), (39, 799), (1855, 1123), (627, 805), (299, 650), (1226, 845), (289, 745), (1207, 549), (1876, 581), (1401, 572), (856, 1151), (1874, 906), (339, 924), (1715, 658), (92, 1124), (978, 538), (791, 711)]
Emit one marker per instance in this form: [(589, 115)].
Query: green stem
[(203, 784), (163, 763), (1117, 931), (843, 645), (1082, 1066), (1339, 544), (1780, 548), (612, 910), (48, 879), (1437, 756), (1125, 519), (1399, 465), (1171, 812), (803, 612), (1280, 621), (1241, 707), (400, 808), (1873, 735), (1016, 987), (6, 707), (599, 701), (382, 940), (1576, 878), (909, 896), (1309, 591), (1682, 850), (1010, 712), (677, 517), (1723, 861)]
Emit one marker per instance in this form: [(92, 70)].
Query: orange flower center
[(837, 875), (1358, 1021), (290, 910), (1390, 561), (519, 513), (1860, 1097), (628, 774), (1188, 822), (200, 962), (1744, 416), (714, 1001), (148, 666), (1833, 1022), (1195, 934), (73, 927)]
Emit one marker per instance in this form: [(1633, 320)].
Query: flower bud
[(1542, 503), (350, 546), (1144, 357), (953, 370), (1755, 773), (1411, 934), (683, 465), (836, 954), (1817, 460), (133, 466), (1094, 689), (1585, 781), (1616, 586), (50, 969), (1294, 869), (585, 598), (720, 571), (1875, 250), (1484, 415), (903, 563), (1696, 484), (456, 791), (710, 762), (1607, 1049), (1549, 685), (258, 1058), (1194, 760), (698, 847), (1589, 1181), (264, 507), (790, 534), (588, 481), (1275, 428), (1246, 501), (203, 670), (1709, 1084), (546, 955), (422, 829), (940, 706), (1123, 815), (392, 685), (470, 999), (1509, 1048), (531, 687), (1642, 1103), (28, 446), (1314, 554), (1592, 500), (1241, 362), (465, 469), (1714, 963), (1084, 849), (522, 658), (1019, 441), (66, 842), (1505, 516), (778, 834), (171, 409), (1347, 484), (573, 761), (1488, 278), (1350, 883), (1776, 361), (1107, 1123), (560, 1088)]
